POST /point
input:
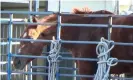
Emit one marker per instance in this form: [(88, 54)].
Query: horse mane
[(102, 12), (53, 17)]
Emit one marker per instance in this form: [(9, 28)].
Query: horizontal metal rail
[(50, 12), (62, 53), (45, 67), (67, 75), (71, 42), (95, 25), (5, 62), (72, 25), (27, 12), (5, 73), (30, 23), (69, 58), (15, 19), (12, 43)]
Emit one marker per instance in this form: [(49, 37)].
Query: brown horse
[(80, 34)]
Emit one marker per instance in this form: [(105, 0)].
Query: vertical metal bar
[(16, 37), (9, 47), (36, 4), (48, 47), (75, 71), (3, 47), (117, 2), (109, 30), (30, 9), (109, 27), (58, 34), (59, 22), (30, 19)]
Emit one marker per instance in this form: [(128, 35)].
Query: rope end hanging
[(104, 63), (53, 58)]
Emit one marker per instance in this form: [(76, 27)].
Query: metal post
[(109, 30), (9, 49), (59, 22), (30, 9), (109, 27), (75, 71), (36, 4), (117, 6), (30, 19), (58, 34)]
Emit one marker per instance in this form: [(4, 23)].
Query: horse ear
[(75, 10), (35, 19), (84, 10)]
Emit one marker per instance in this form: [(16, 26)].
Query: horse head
[(31, 47)]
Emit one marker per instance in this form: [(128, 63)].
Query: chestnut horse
[(80, 34)]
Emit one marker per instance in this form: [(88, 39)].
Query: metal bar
[(67, 75), (122, 26), (6, 20), (68, 58), (73, 25), (27, 12), (94, 25), (59, 23), (40, 73), (58, 35), (38, 40), (9, 47), (5, 62), (5, 73), (72, 42), (31, 23), (30, 20), (36, 4), (62, 53), (109, 28), (13, 43), (67, 13), (109, 32), (68, 68)]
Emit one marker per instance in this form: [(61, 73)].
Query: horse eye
[(42, 34)]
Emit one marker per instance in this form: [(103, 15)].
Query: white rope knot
[(53, 59), (112, 61), (104, 63)]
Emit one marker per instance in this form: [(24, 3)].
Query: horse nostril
[(17, 61)]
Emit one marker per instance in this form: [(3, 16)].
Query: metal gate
[(9, 45)]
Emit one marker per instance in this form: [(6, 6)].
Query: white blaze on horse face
[(25, 34), (19, 50)]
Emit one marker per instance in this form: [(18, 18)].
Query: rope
[(53, 59), (104, 63)]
